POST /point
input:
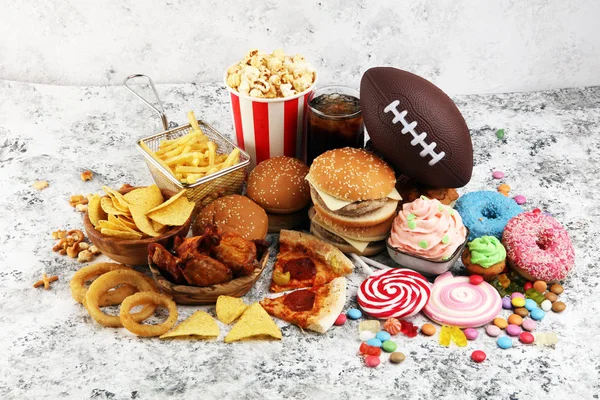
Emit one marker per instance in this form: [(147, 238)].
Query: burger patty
[(355, 209), (332, 237)]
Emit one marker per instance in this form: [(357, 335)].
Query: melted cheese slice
[(335, 204), (357, 244)]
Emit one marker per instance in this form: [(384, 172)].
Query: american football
[(416, 127)]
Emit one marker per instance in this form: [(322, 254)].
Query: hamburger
[(236, 214), (278, 185), (355, 199)]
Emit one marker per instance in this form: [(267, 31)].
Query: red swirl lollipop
[(394, 292)]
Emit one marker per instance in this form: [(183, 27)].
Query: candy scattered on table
[(471, 334), (428, 329), (500, 133), (559, 306), (389, 346), (497, 174), (397, 357), (371, 325), (521, 311), (500, 322), (506, 303), (530, 304), (366, 335), (537, 314), (503, 189), (365, 349), (550, 296), (354, 313), (445, 336), (374, 342), (557, 289), (475, 279), (526, 338), (393, 326), (518, 302), (503, 280), (493, 330), (383, 336), (409, 329), (340, 320), (546, 338), (515, 319), (517, 294), (520, 199), (535, 296), (546, 305), (504, 342), (372, 361), (528, 285), (529, 325), (540, 286), (513, 330), (458, 336), (478, 356)]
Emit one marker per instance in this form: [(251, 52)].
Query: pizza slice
[(305, 261), (315, 308)]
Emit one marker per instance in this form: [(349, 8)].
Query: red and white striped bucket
[(267, 128)]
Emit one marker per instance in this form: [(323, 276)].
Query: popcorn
[(274, 75)]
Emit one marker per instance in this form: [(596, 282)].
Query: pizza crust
[(332, 307)]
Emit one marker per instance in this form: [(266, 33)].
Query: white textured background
[(464, 46)]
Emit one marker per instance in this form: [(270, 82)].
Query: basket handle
[(163, 117)]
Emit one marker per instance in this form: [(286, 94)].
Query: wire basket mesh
[(222, 183)]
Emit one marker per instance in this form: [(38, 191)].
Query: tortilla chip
[(140, 202), (158, 227), (199, 325), (107, 205), (121, 234), (254, 323), (95, 211), (230, 308), (127, 221), (173, 214), (116, 223), (118, 200)]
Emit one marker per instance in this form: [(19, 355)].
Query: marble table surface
[(50, 347)]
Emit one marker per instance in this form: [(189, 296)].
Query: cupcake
[(485, 256), (428, 229)]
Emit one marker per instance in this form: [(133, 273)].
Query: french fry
[(193, 121), (232, 159), (179, 159), (212, 152), (196, 170), (153, 155)]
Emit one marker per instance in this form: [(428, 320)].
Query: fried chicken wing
[(167, 263), (198, 245), (237, 253), (201, 270)]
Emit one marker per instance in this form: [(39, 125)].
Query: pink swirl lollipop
[(394, 292), (455, 301)]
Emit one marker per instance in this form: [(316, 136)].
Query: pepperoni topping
[(300, 300), (300, 268)]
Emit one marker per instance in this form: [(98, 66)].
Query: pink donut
[(538, 247)]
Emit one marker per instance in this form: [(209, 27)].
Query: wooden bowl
[(185, 294), (133, 252)]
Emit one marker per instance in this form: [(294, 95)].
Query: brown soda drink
[(334, 121)]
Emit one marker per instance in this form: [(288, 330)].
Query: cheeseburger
[(354, 198)]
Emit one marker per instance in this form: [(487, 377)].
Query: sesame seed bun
[(278, 185), (352, 175), (236, 214)]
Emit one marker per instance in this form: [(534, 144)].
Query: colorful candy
[(504, 342), (506, 303), (546, 305), (513, 330), (550, 296), (340, 320), (454, 301), (526, 338), (515, 319), (528, 285), (503, 280), (546, 338), (559, 307), (365, 336), (537, 314), (397, 357), (371, 325), (478, 356), (503, 189), (394, 292), (367, 350), (497, 174), (383, 336), (428, 329), (529, 325), (557, 289), (517, 294), (372, 361), (520, 199), (393, 326), (374, 342), (475, 279), (518, 302), (471, 334), (354, 313), (389, 346), (522, 311), (492, 330), (458, 336), (535, 296), (408, 329), (500, 322), (530, 304), (445, 336), (540, 286)]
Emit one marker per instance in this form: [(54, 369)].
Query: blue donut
[(486, 213)]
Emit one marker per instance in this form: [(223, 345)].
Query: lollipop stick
[(374, 263), (360, 262)]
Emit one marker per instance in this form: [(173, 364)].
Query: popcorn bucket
[(267, 128)]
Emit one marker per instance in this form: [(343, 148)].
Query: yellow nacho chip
[(128, 221), (140, 202), (158, 227), (120, 234), (254, 323), (229, 308), (199, 325), (115, 223), (95, 211), (118, 200), (172, 213), (107, 205)]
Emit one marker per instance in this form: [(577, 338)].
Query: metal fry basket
[(221, 183)]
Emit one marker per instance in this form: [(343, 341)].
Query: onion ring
[(140, 298), (109, 280), (116, 296)]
